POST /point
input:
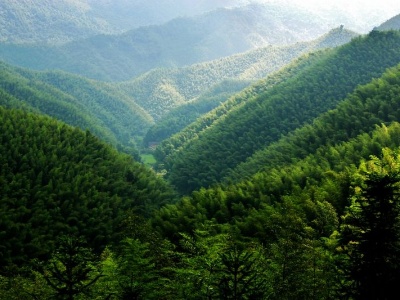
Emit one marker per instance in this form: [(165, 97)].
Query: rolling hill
[(261, 120), (161, 90), (56, 179), (78, 101)]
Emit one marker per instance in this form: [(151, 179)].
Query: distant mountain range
[(62, 21), (58, 22), (160, 90), (257, 118), (180, 42)]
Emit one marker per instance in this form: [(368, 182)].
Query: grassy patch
[(148, 159)]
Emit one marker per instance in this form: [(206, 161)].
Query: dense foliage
[(108, 113), (57, 179), (368, 106), (160, 90), (180, 117), (263, 119), (169, 147), (291, 187)]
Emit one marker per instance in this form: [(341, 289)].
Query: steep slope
[(368, 106), (185, 114), (56, 179), (180, 42), (310, 165), (168, 148), (263, 119), (391, 24), (160, 90), (78, 101)]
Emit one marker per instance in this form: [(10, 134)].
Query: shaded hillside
[(182, 41), (305, 212), (179, 141), (78, 101), (367, 107), (160, 90), (187, 113), (306, 162), (129, 14), (56, 179), (391, 24), (264, 118)]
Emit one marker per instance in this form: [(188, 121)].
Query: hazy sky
[(362, 13)]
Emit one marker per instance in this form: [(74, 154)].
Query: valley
[(207, 150)]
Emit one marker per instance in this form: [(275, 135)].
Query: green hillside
[(168, 148), (56, 179), (367, 107), (46, 21), (307, 229), (78, 101), (285, 107), (178, 118), (161, 90), (305, 209)]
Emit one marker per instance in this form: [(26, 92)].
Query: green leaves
[(370, 231)]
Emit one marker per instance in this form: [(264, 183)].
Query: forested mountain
[(159, 91), (362, 111), (56, 179), (183, 115), (294, 203), (238, 134), (278, 172), (305, 227), (50, 22), (180, 140), (180, 42), (107, 112)]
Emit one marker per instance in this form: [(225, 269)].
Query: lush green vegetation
[(160, 90), (291, 187), (169, 147), (262, 120), (56, 179), (177, 119), (107, 112), (361, 111)]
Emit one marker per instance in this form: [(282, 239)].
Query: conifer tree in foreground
[(370, 232)]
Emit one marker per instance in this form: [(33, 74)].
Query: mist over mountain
[(391, 24), (261, 142), (160, 90), (182, 41), (129, 14), (61, 21)]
